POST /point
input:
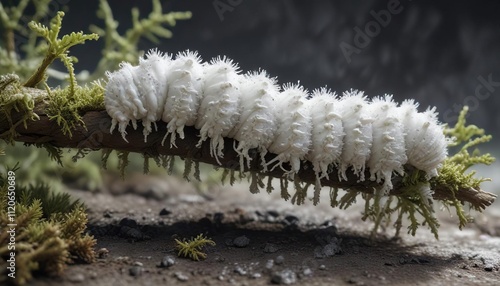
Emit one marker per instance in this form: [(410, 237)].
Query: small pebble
[(488, 267), (322, 267), (241, 241), (135, 271), (165, 212), (137, 263), (307, 272), (180, 276), (256, 275), (102, 253), (167, 261), (269, 264), (285, 277), (279, 260)]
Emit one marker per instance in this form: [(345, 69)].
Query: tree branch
[(96, 135)]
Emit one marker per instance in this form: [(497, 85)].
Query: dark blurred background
[(442, 53)]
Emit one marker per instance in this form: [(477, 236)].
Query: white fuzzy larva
[(358, 133), (388, 152), (185, 83), (348, 132), (122, 99), (293, 137), (256, 126), (219, 109)]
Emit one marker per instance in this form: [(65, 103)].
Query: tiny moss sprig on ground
[(50, 232), (193, 248)]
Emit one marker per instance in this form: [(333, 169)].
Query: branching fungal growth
[(193, 248)]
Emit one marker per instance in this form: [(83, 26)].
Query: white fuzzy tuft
[(293, 137), (185, 90), (256, 127), (327, 132), (219, 109), (358, 137), (388, 152)]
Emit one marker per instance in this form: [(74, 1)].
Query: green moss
[(57, 48), (66, 106), (193, 248), (50, 231), (14, 98)]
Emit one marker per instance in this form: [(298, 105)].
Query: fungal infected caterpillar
[(350, 132)]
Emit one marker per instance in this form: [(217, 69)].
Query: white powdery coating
[(358, 133), (185, 90), (327, 132), (293, 137), (388, 152), (256, 126), (219, 109)]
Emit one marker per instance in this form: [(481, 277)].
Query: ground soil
[(136, 221)]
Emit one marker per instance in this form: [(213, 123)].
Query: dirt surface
[(262, 239)]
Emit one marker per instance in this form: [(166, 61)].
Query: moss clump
[(14, 98), (193, 248), (49, 231)]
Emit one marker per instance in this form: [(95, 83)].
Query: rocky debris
[(241, 241), (285, 277)]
